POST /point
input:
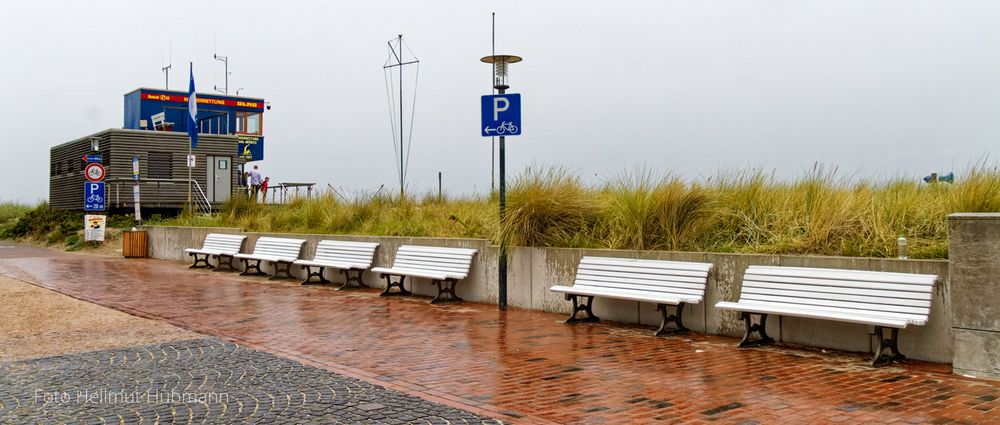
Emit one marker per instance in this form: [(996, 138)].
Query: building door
[(220, 178)]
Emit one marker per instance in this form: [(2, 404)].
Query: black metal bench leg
[(356, 278), (446, 286), (389, 284), (584, 307), (203, 261), (670, 318), (760, 328), (311, 274), (225, 260), (247, 266), (885, 345), (282, 267)]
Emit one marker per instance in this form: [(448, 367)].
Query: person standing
[(255, 182), (245, 183), (263, 190)]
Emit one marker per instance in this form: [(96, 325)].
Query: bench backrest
[(223, 242), (278, 247), (905, 296), (360, 253), (453, 262), (651, 276)]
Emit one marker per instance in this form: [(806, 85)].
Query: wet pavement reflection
[(519, 365)]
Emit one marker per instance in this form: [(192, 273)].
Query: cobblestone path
[(201, 381)]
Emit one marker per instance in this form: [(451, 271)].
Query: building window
[(249, 122), (160, 165)]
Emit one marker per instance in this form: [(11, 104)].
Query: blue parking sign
[(501, 115), (93, 196)]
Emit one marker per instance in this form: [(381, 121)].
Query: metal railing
[(200, 202)]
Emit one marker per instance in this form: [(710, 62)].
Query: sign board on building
[(250, 148), (190, 161), (93, 196), (501, 115), (94, 172), (93, 227), (135, 167), (91, 158)]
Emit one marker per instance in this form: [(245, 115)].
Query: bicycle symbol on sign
[(507, 127), (95, 198)]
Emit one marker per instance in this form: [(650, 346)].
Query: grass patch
[(820, 213)]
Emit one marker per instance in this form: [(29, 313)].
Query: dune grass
[(820, 213)]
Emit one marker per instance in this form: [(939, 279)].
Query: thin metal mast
[(166, 69), (397, 54), (493, 140), (399, 59)]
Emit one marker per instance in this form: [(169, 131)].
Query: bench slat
[(821, 297), (903, 289), (635, 264), (819, 289), (846, 275), (650, 285), (664, 298), (851, 317), (775, 299)]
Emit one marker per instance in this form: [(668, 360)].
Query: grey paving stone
[(201, 381)]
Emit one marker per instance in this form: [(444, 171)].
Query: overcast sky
[(876, 88)]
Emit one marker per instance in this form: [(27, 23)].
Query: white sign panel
[(190, 161), (135, 199), (93, 227)]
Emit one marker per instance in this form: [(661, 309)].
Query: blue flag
[(192, 122)]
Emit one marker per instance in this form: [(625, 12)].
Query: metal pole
[(227, 75), (399, 59), (502, 301), (188, 163), (439, 185), (493, 142)]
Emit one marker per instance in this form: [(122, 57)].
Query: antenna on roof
[(225, 60), (166, 69)]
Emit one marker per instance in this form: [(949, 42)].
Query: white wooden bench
[(887, 301), (351, 258), (282, 252), (444, 266), (665, 283), (218, 245)]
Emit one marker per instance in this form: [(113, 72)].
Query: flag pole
[(191, 136)]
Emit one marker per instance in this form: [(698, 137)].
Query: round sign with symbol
[(94, 172)]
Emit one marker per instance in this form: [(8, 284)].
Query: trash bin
[(134, 243)]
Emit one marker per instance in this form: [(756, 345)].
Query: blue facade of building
[(165, 110)]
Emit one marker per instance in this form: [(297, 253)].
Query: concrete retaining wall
[(531, 271)]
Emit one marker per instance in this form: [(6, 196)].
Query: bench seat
[(888, 301), (351, 258), (443, 266), (664, 283), (219, 245), (281, 252)]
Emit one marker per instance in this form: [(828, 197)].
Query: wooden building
[(163, 171)]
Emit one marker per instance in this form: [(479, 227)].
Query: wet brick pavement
[(201, 381), (518, 366)]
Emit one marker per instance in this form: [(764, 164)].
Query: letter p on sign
[(497, 109)]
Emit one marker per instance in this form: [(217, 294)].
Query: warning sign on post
[(93, 227)]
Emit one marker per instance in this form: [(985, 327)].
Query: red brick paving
[(520, 366)]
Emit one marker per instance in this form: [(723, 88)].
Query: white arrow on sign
[(487, 130)]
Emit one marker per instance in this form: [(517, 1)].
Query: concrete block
[(977, 353), (974, 254), (724, 286)]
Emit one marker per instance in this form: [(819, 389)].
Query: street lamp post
[(500, 65)]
